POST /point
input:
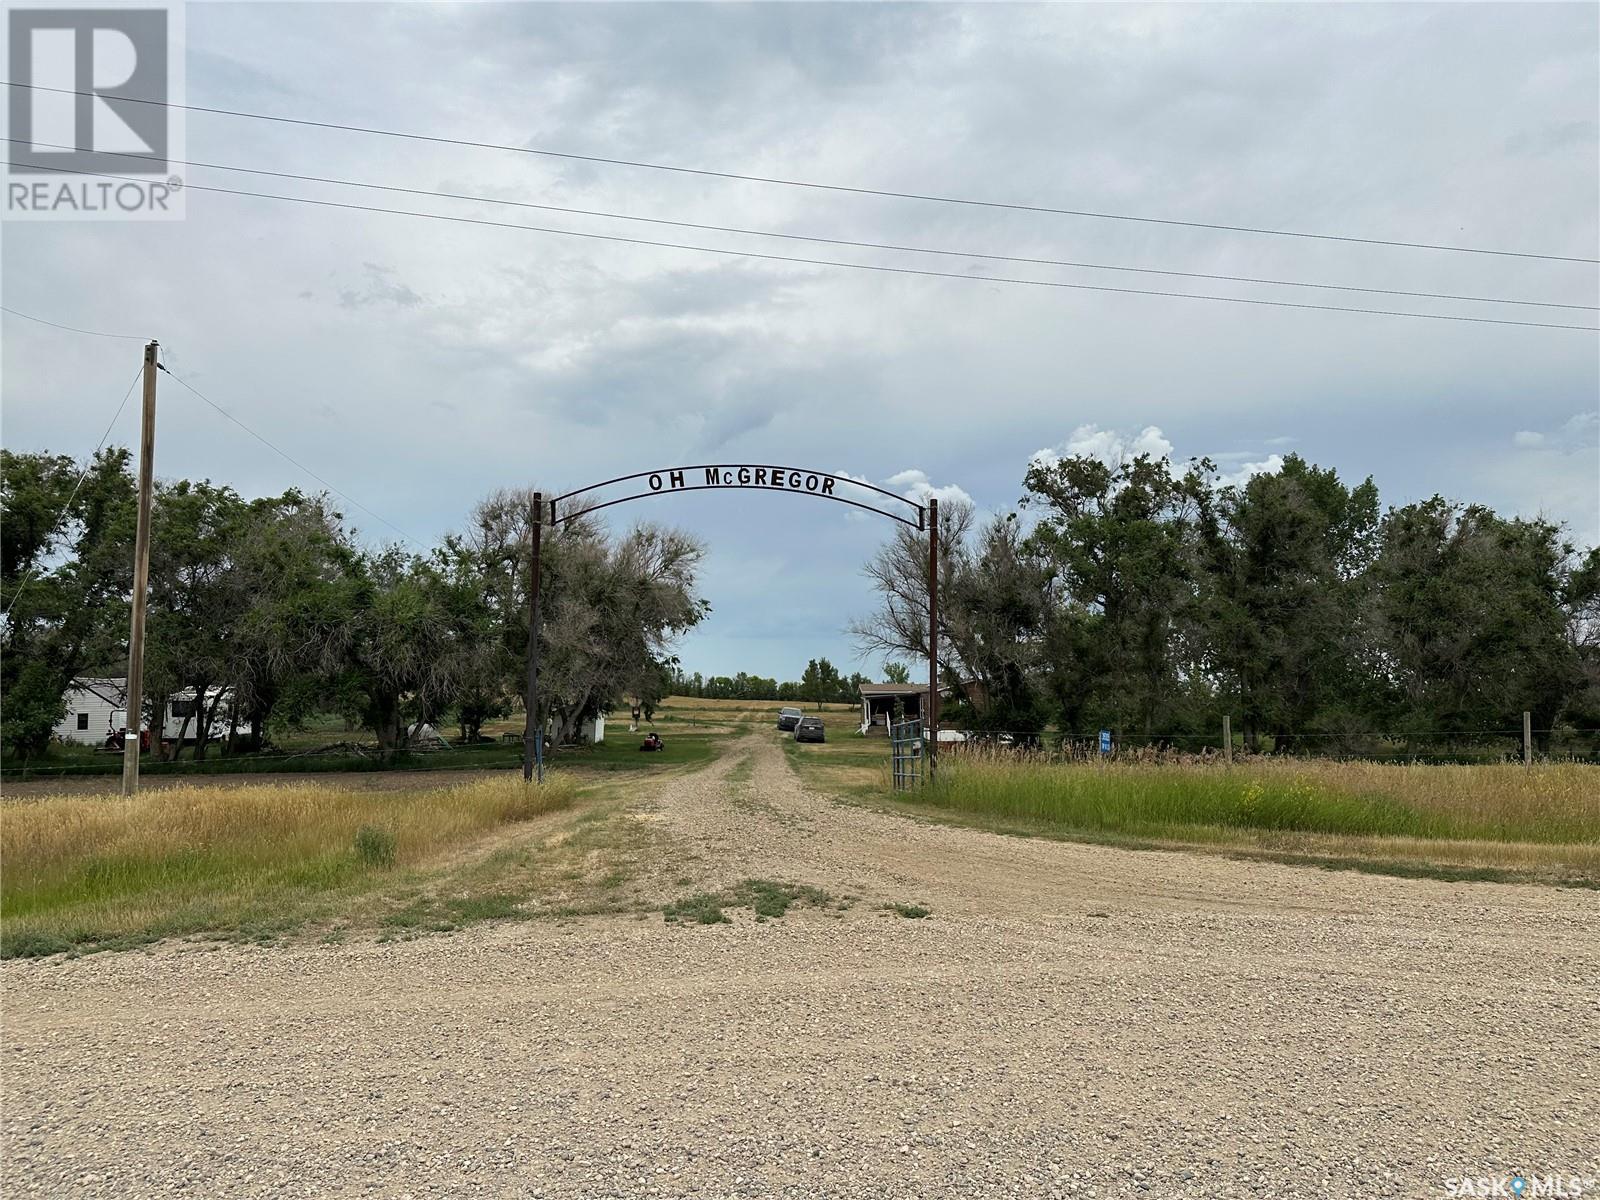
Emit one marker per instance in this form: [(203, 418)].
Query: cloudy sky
[(418, 364)]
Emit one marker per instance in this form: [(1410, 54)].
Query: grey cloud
[(567, 360)]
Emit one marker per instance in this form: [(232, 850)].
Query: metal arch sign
[(716, 476), (709, 476)]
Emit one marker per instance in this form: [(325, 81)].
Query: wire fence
[(1560, 743), (1421, 746), (347, 757)]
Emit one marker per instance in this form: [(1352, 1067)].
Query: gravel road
[(1070, 1021)]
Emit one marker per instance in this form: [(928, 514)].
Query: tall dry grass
[(84, 869), (1545, 813)]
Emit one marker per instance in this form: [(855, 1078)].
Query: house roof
[(893, 689)]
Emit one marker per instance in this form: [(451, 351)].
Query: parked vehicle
[(810, 729), (788, 718)]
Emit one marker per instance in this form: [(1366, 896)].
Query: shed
[(878, 702)]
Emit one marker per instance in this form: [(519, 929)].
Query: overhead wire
[(810, 184), (136, 337), (290, 458), (873, 267), (185, 383), (831, 241), (82, 475)]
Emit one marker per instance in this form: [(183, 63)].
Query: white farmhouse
[(97, 708)]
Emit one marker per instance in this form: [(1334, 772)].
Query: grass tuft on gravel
[(764, 897)]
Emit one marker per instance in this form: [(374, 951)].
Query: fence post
[(1227, 739), (1527, 739)]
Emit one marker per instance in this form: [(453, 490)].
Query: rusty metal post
[(533, 733), (930, 722)]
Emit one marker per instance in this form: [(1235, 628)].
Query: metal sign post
[(932, 714)]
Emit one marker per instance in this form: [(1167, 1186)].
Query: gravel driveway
[(1070, 1021)]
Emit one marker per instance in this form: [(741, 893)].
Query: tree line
[(275, 599), (1150, 599), (821, 683)]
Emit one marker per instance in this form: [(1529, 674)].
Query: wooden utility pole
[(533, 734), (134, 701), (1527, 739), (931, 723), (1227, 739)]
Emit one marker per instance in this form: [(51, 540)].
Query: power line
[(801, 183), (824, 262), (285, 455), (831, 241), (84, 474), (136, 337)]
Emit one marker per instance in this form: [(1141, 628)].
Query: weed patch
[(764, 897), (375, 846)]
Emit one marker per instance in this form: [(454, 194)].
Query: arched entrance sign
[(719, 476), (825, 485)]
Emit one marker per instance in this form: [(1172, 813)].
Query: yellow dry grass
[(87, 869), (1543, 819)]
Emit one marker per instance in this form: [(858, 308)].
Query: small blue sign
[(1105, 741)]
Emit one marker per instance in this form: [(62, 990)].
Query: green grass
[(620, 751), (912, 912)]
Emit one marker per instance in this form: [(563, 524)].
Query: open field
[(1498, 821), (777, 994), (252, 858), (89, 873)]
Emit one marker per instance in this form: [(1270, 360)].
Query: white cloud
[(1107, 445), (1115, 448), (1581, 431), (1270, 465), (914, 485)]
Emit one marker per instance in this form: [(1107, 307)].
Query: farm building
[(879, 701), (95, 708), (98, 707)]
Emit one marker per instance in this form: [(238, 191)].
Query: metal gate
[(906, 754)]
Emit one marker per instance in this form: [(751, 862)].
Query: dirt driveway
[(1069, 1021)]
